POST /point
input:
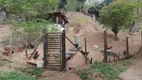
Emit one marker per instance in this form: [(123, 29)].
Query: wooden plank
[(54, 41), (53, 64), (53, 50), (57, 57), (53, 60), (54, 44), (53, 54), (54, 33), (55, 36), (58, 53), (54, 47), (53, 68)]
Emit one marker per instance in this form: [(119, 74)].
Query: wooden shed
[(57, 17)]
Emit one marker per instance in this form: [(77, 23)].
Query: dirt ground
[(94, 35), (134, 72)]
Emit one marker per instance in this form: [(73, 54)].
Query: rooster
[(109, 47), (35, 56), (31, 46)]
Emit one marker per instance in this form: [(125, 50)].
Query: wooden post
[(91, 61), (85, 50), (141, 39), (127, 46), (45, 48), (10, 55), (105, 45), (64, 49)]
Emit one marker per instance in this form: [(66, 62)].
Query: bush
[(29, 31)]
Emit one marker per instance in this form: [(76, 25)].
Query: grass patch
[(3, 63), (14, 76), (33, 72), (124, 63), (105, 70)]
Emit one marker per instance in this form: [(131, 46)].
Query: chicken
[(35, 56), (109, 47)]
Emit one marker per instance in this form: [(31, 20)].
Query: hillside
[(80, 26)]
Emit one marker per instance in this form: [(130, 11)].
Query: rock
[(2, 16)]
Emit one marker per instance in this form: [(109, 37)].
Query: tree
[(62, 4), (71, 5), (117, 14), (80, 4), (28, 7), (97, 7), (28, 29), (138, 13)]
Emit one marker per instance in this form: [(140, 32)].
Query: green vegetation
[(32, 72), (106, 71), (117, 14), (22, 74), (13, 75), (30, 31), (28, 7), (2, 63), (124, 63), (71, 5)]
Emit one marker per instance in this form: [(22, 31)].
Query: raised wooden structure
[(55, 44), (53, 53)]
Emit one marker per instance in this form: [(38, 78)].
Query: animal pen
[(54, 45)]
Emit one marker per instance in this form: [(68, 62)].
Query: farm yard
[(70, 45)]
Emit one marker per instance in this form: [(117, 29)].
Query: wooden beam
[(105, 45), (127, 46), (85, 50), (64, 49), (45, 51)]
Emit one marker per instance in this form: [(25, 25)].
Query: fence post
[(11, 44), (127, 45), (45, 47), (64, 49), (141, 39), (85, 50), (105, 45)]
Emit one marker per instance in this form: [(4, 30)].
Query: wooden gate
[(53, 53)]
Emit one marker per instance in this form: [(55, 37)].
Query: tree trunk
[(132, 26), (115, 33), (115, 37)]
